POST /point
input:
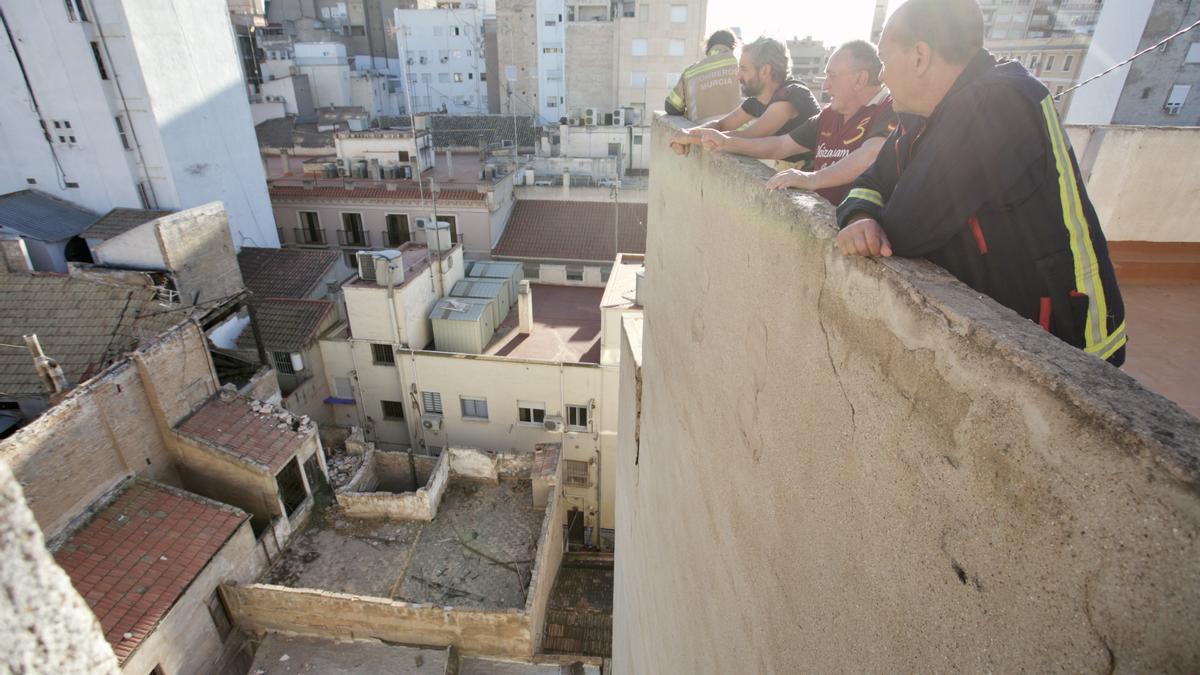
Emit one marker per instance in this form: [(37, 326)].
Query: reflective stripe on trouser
[(1097, 339)]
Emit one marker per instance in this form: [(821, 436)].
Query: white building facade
[(442, 56), (130, 103)]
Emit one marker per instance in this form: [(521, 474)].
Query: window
[(574, 273), (678, 13), (382, 354), (552, 50), (1058, 90), (219, 614), (343, 388), (1049, 61), (358, 31), (637, 139), (456, 53), (283, 363), (1070, 59), (575, 473), (392, 410), (99, 61), (75, 10), (1176, 98), (143, 189), (397, 226), (675, 48), (483, 77), (577, 417), (432, 401), (351, 260), (121, 133), (637, 79), (639, 47), (551, 20), (444, 78), (455, 30), (291, 486), (426, 78), (458, 77), (474, 408), (531, 413), (998, 34), (1193, 53)]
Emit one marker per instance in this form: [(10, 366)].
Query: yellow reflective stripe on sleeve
[(1087, 269), (1110, 344), (675, 99), (865, 194)]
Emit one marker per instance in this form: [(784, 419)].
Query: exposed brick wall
[(107, 430), (200, 251)]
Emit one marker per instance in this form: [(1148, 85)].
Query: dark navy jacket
[(988, 188)]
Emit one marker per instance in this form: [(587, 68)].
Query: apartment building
[(809, 57), (1055, 61), (1160, 88), (443, 58), (130, 104), (1022, 19)]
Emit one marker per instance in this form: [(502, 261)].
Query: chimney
[(14, 257), (566, 191), (449, 164), (286, 160), (54, 381), (525, 308)]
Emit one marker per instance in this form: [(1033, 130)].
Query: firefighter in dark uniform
[(980, 178)]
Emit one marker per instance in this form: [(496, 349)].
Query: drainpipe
[(395, 323)]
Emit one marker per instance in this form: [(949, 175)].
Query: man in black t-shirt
[(774, 104)]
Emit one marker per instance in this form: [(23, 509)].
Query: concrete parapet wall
[(863, 465), (545, 567), (262, 607), (361, 497), (475, 464)]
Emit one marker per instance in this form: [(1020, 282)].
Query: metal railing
[(360, 238), (395, 239), (306, 236)]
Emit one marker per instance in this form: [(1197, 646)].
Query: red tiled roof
[(284, 272), (133, 559), (231, 424), (557, 230), (400, 193)]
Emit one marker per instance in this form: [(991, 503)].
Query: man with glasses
[(845, 137)]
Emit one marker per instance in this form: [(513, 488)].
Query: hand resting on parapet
[(864, 237)]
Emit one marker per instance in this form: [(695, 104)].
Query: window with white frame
[(474, 408), (122, 133), (675, 48), (283, 363), (577, 417), (575, 473), (1068, 61), (639, 47), (1176, 98), (531, 413), (637, 79), (1049, 61), (343, 388), (382, 354), (574, 273), (458, 77), (678, 13), (431, 401), (1193, 53)]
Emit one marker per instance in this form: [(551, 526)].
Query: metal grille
[(431, 401), (575, 473)]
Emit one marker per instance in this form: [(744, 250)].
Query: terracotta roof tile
[(558, 230), (400, 193), (230, 423), (134, 558), (284, 272), (287, 324)]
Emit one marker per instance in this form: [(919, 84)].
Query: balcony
[(358, 238), (309, 236), (395, 239)]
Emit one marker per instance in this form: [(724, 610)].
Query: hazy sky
[(834, 21)]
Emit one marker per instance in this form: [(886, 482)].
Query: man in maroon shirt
[(845, 137)]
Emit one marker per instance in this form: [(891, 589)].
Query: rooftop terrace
[(566, 327), (477, 552)]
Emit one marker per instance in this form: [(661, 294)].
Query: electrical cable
[(1128, 60)]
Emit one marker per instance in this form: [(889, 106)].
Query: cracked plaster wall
[(857, 465)]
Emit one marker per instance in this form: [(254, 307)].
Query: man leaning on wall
[(844, 138), (774, 103), (980, 178), (709, 87)]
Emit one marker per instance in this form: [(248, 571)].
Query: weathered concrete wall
[(210, 473), (1134, 188), (110, 428), (365, 496), (545, 567), (187, 640), (261, 607), (591, 78), (469, 463), (861, 465), (198, 247), (45, 626)]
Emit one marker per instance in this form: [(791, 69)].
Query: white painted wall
[(1118, 32), (551, 66), (328, 72), (430, 36)]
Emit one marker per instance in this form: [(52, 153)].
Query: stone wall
[(197, 246), (45, 626), (110, 428), (365, 496), (545, 567), (261, 607), (474, 464), (862, 465)]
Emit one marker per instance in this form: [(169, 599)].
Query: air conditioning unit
[(366, 265), (410, 60), (422, 223), (573, 121), (590, 115), (424, 60), (618, 117), (554, 424), (431, 422)]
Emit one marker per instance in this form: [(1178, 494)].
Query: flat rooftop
[(477, 553), (415, 258), (133, 559), (566, 327), (1163, 352), (621, 290)]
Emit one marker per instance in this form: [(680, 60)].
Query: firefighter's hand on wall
[(864, 237)]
